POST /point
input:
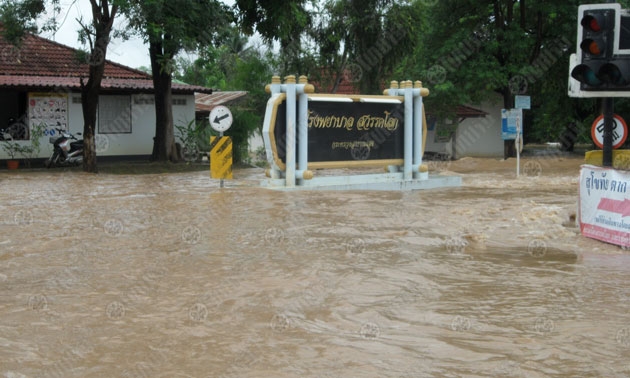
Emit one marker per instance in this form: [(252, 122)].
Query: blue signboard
[(511, 120), (522, 102)]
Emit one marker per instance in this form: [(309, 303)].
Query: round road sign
[(220, 118), (620, 131)]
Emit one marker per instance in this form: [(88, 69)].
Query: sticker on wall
[(50, 109)]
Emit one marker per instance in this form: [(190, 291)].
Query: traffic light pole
[(607, 110)]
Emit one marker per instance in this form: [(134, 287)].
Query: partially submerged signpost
[(304, 131), (601, 69), (220, 119)]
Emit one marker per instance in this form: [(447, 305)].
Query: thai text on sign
[(604, 205)]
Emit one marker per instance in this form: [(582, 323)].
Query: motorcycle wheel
[(52, 160)]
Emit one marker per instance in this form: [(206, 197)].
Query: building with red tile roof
[(40, 84), (40, 64)]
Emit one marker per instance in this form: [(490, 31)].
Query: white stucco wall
[(480, 137), (474, 137), (184, 114), (138, 142), (255, 141), (432, 145)]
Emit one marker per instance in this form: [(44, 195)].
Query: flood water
[(168, 275)]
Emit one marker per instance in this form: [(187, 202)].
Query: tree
[(20, 16), (473, 49), (364, 40), (284, 22), (98, 35), (170, 27), (215, 65), (234, 66)]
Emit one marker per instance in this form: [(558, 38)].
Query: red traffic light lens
[(591, 23)]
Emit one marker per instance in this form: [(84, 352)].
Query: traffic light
[(600, 66), (594, 46)]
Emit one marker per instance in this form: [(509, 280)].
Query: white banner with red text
[(604, 204)]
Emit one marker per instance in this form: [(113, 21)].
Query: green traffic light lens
[(591, 79), (584, 74)]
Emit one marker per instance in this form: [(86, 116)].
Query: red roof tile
[(41, 63), (74, 83)]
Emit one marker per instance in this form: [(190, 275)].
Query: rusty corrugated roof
[(206, 102), (464, 111)]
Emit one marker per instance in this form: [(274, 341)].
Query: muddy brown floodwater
[(167, 275)]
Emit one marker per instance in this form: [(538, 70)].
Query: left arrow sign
[(218, 119)]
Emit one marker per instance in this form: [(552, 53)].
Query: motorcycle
[(65, 152)]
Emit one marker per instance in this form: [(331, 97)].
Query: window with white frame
[(114, 114)]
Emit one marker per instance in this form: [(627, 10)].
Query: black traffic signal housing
[(600, 65)]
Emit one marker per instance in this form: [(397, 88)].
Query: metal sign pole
[(517, 144), (608, 111), (221, 181), (220, 120)]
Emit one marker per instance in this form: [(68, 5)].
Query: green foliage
[(215, 65), (170, 27), (18, 18), (274, 20), (285, 22), (27, 151), (11, 148), (194, 138), (177, 25), (251, 73), (472, 51), (245, 123), (234, 66), (31, 151)]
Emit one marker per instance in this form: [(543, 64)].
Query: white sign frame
[(220, 118)]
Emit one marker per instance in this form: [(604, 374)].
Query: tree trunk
[(164, 141), (102, 21), (89, 98), (89, 103)]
